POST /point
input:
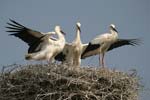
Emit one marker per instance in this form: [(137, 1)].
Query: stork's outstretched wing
[(122, 42), (27, 35), (92, 50)]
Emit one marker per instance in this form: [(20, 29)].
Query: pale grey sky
[(131, 17)]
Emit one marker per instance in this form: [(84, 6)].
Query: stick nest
[(63, 82)]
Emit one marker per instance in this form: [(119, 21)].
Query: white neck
[(113, 32), (78, 35), (60, 35)]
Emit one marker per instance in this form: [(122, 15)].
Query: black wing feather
[(90, 47), (123, 42), (60, 57), (27, 35)]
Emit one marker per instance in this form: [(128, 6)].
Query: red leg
[(100, 60), (103, 54)]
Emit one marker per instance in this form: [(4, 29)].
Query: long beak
[(78, 28), (115, 29), (63, 32)]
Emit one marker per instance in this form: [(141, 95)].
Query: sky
[(131, 18)]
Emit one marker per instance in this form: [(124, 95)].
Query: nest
[(63, 82)]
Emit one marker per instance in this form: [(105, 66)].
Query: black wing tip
[(15, 24), (11, 20), (11, 34), (12, 31), (14, 27), (135, 42)]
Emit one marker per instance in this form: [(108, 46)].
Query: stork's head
[(78, 26), (112, 26), (58, 30)]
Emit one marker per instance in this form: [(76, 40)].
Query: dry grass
[(61, 82)]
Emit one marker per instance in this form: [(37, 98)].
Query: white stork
[(41, 46), (89, 50), (106, 42), (72, 51), (66, 56), (77, 47)]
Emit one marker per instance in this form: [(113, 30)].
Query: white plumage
[(106, 42), (77, 47), (41, 46), (101, 44), (50, 47), (72, 51)]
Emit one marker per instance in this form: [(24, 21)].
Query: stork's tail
[(28, 56)]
